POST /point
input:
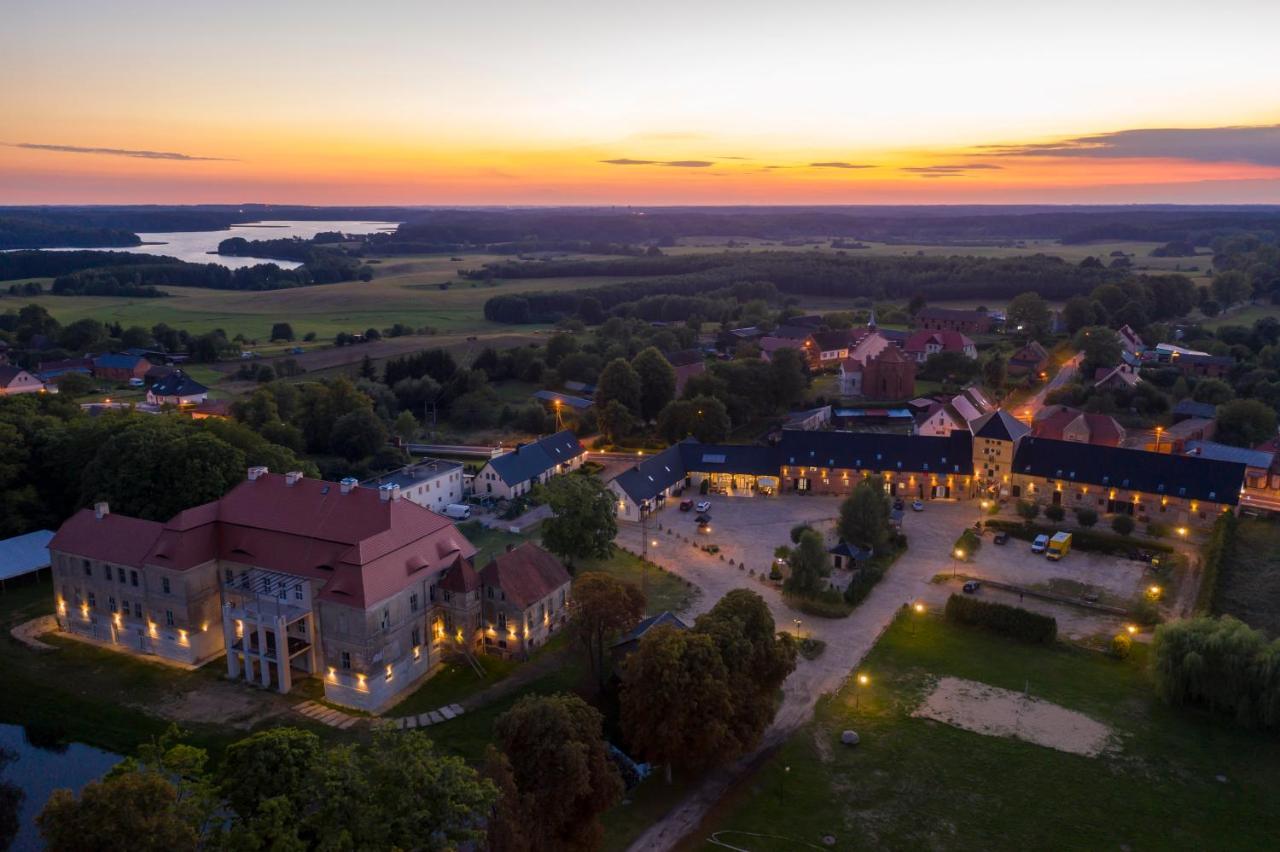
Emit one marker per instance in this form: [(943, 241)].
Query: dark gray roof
[(1226, 452), (535, 458), (729, 458), (852, 551), (665, 617), (874, 451), (178, 383), (999, 425), (1191, 408), (1131, 470), (654, 474), (563, 398)]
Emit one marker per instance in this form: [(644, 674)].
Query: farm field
[(1169, 779), (404, 289)]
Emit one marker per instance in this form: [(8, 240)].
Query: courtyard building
[(431, 483), (513, 474)]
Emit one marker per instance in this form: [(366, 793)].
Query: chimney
[(255, 472), (292, 476), (389, 492), (101, 510), (347, 483)]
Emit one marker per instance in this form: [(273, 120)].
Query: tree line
[(805, 274)]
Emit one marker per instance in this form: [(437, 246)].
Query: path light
[(1182, 531), (863, 680), (959, 557), (1132, 628), (918, 609)]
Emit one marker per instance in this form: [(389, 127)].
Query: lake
[(201, 246), (40, 771)]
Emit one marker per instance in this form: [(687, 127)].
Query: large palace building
[(293, 577), (994, 458)]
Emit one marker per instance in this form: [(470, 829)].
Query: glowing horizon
[(679, 103)]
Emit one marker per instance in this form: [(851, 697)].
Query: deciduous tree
[(809, 565), (657, 381), (583, 522), (559, 762), (602, 607), (677, 704), (621, 383), (864, 517)]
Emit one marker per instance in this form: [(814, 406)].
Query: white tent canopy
[(24, 554)]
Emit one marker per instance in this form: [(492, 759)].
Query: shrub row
[(865, 580), (1003, 619), (824, 604), (969, 542), (1217, 550), (1080, 539)]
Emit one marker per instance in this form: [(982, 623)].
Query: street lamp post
[(957, 555), (1159, 430), (798, 623)]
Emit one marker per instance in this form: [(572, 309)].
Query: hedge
[(1003, 619), (1080, 539), (1217, 550), (969, 543)]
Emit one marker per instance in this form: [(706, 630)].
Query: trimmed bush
[(1123, 524), (1121, 645), (824, 604), (1055, 513), (969, 543), (1028, 510), (1086, 517), (1157, 530), (1001, 618)]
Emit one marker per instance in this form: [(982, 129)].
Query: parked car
[(899, 505), (136, 382), (704, 523), (972, 587), (917, 505), (1001, 537), (686, 505), (1040, 544), (703, 506)]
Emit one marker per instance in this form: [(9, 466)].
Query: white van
[(457, 511)]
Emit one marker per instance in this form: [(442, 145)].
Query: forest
[(795, 273)]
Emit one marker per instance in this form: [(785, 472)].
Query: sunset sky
[(577, 102)]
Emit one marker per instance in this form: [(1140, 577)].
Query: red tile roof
[(461, 578), (112, 538), (358, 547), (950, 341), (526, 574)]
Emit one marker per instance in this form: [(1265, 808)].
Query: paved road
[(1028, 410)]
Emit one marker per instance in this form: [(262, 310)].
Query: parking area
[(746, 530)]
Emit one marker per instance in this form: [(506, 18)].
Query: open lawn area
[(405, 289), (1249, 584), (1176, 779), (1246, 316)]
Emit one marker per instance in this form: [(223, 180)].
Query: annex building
[(292, 578), (996, 457)]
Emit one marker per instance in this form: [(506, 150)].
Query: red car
[(686, 505)]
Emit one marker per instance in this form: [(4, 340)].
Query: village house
[(525, 599), (288, 577), (923, 344), (876, 369), (177, 388), (15, 380), (431, 483), (948, 319), (630, 641), (934, 418), (1032, 359), (1063, 423), (514, 473), (120, 367), (826, 349)]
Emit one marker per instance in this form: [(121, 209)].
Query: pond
[(41, 769)]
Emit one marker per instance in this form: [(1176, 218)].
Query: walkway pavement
[(326, 715)]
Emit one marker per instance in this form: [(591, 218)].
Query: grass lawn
[(452, 683), (1245, 316), (1249, 585), (915, 783), (665, 591)]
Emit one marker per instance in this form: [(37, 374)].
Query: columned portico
[(269, 627)]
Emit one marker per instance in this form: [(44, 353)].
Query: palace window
[(386, 619), (502, 620), (168, 617), (133, 578), (120, 574), (111, 603), (346, 659), (164, 585), (137, 610), (413, 602), (93, 602), (88, 569)]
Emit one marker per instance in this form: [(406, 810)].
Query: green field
[(405, 290), (1178, 780)]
